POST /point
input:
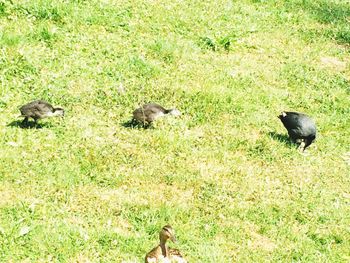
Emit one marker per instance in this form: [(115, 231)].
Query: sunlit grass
[(87, 188)]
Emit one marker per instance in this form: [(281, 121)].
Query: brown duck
[(162, 253), (39, 109), (149, 112)]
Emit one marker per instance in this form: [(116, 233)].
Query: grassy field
[(87, 188)]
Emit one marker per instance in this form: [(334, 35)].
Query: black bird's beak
[(282, 115)]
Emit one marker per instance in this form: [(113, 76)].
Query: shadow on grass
[(28, 125), (135, 125), (281, 138)]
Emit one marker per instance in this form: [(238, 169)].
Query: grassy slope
[(89, 188)]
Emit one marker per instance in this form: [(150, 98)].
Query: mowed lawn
[(88, 188)]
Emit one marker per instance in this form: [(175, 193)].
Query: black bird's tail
[(308, 141)]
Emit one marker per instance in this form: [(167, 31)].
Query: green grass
[(86, 188)]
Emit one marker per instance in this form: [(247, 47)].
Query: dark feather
[(299, 126)]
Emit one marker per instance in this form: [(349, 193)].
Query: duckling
[(150, 112), (299, 127), (162, 253), (39, 109)]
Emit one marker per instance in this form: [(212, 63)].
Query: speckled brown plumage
[(162, 253), (148, 113), (39, 109)]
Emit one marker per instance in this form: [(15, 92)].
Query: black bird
[(299, 127), (39, 109), (150, 112)]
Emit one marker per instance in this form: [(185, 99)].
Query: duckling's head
[(166, 233), (58, 112), (174, 112)]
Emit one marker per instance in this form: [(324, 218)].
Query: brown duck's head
[(166, 233), (58, 111), (174, 112)]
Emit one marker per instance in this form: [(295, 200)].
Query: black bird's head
[(282, 115)]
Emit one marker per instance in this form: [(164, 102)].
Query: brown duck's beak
[(173, 238)]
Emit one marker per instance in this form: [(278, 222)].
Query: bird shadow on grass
[(28, 125), (135, 125), (281, 138)]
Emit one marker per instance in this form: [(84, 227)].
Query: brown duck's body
[(39, 109), (162, 253), (150, 112), (157, 253), (176, 256), (171, 255)]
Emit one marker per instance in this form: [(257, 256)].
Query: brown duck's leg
[(147, 124), (36, 121)]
